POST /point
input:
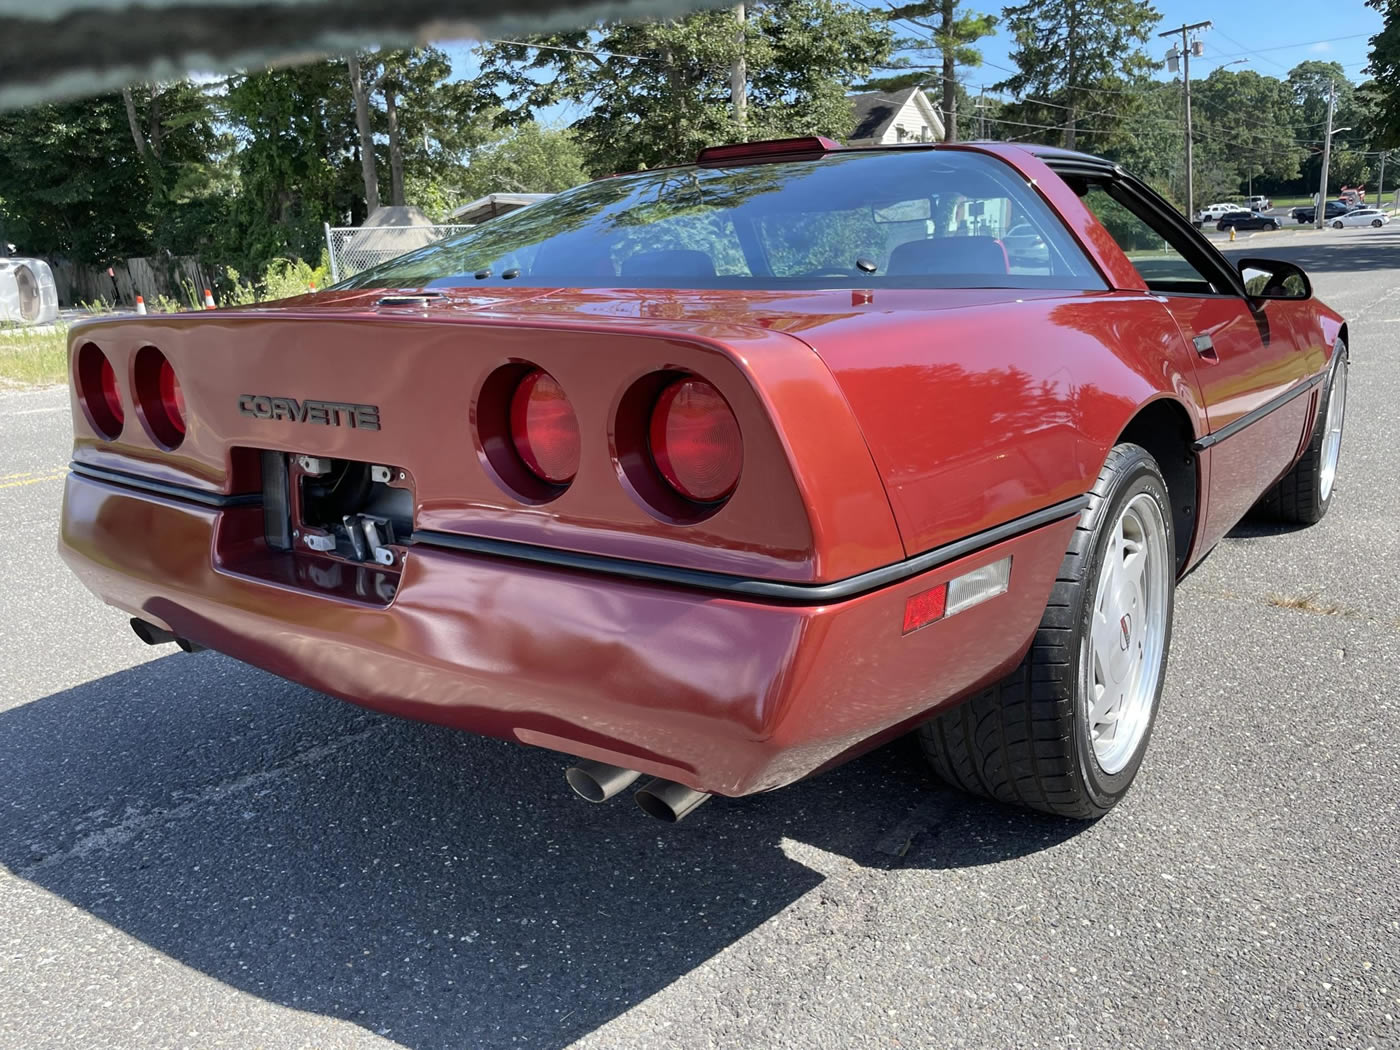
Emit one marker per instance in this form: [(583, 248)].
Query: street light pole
[(1183, 30), (1320, 214)]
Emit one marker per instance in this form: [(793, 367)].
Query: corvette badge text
[(326, 413)]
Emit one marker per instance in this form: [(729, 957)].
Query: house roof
[(874, 110), (494, 204)]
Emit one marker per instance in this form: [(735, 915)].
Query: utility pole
[(1320, 213), (1380, 187), (982, 117), (1187, 49), (739, 76)]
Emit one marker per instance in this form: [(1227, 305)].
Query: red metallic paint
[(877, 424), (724, 695)]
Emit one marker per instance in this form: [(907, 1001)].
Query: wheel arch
[(1163, 427)]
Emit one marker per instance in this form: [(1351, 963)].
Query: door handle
[(1205, 346)]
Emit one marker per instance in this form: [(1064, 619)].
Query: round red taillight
[(159, 397), (172, 398), (695, 441), (110, 395), (544, 429), (97, 389)]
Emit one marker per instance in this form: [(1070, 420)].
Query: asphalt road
[(196, 854)]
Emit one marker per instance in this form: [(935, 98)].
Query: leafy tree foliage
[(528, 159), (1385, 68), (295, 162), (953, 31), (1064, 47), (75, 183), (660, 91)]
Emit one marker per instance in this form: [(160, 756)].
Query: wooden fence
[(169, 276)]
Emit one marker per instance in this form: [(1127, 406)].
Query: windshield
[(922, 219)]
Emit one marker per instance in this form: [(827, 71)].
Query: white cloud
[(1320, 46)]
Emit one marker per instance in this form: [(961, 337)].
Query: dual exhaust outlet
[(663, 799)]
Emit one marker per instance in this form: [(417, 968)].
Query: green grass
[(33, 358)]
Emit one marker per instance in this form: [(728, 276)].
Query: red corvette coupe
[(727, 472)]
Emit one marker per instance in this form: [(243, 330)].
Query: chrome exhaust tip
[(598, 781), (666, 800)]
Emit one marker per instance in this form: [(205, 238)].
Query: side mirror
[(1274, 279)]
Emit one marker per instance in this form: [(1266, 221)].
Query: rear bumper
[(724, 694)]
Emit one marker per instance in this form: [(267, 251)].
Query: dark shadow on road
[(1251, 529), (439, 888), (1349, 250)]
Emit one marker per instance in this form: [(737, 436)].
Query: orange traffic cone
[(313, 287), (208, 299), (140, 305)]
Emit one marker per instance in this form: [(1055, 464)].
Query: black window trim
[(1193, 246)]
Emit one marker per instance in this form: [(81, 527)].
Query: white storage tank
[(28, 295)]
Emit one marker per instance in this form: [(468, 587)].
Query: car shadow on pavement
[(435, 887), (1353, 250)]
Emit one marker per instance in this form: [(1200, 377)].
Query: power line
[(1232, 40), (1287, 47)]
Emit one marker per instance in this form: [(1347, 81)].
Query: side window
[(1163, 268)]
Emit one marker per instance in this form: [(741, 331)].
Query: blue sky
[(1273, 35)]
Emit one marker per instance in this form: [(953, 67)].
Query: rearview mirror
[(1274, 279)]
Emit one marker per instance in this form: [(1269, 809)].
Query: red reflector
[(767, 148), (109, 392), (695, 441), (172, 398), (544, 428), (923, 609)]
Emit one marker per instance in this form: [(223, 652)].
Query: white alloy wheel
[(1332, 436), (1123, 653)]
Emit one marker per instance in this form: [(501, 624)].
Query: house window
[(900, 133), (924, 135)]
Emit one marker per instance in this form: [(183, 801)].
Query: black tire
[(1025, 741), (1271, 226), (1377, 223), (1338, 225), (1297, 498)]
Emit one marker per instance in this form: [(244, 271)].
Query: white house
[(880, 118)]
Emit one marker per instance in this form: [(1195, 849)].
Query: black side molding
[(772, 590), (1217, 436), (165, 488)]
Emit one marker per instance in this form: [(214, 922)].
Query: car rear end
[(657, 544)]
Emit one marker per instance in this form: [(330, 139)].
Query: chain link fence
[(356, 248)]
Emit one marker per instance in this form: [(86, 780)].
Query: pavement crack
[(138, 821), (1310, 603)]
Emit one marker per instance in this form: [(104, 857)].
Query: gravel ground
[(196, 854)]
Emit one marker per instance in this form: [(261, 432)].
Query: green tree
[(425, 120), (1067, 47), (1385, 68), (527, 159), (659, 91), (1310, 84), (296, 162), (1244, 129), (119, 175), (953, 32)]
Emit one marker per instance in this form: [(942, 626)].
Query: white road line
[(36, 411)]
